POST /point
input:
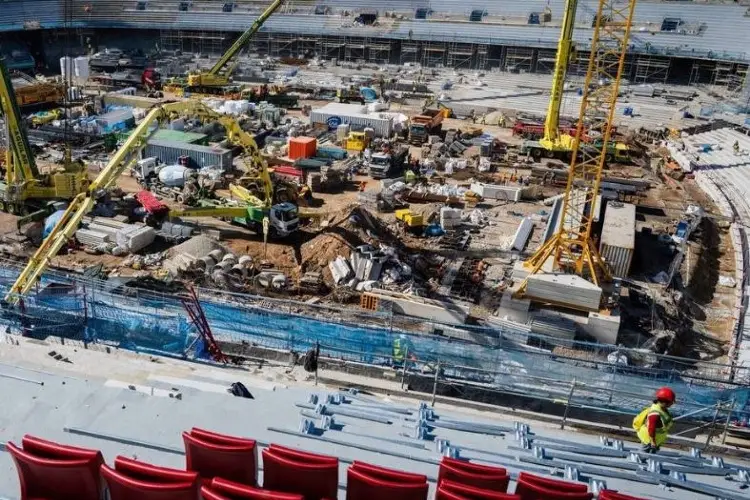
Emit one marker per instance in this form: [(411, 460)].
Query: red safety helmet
[(665, 394)]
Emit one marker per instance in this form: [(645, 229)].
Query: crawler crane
[(219, 77), (557, 142)]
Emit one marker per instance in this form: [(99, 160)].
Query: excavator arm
[(565, 51), (242, 40)]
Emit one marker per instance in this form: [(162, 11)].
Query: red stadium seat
[(216, 455), (144, 471), (361, 486), (386, 474), (614, 495), (450, 490), (221, 489), (551, 484), (532, 491), (50, 475), (480, 476), (313, 476), (302, 456), (123, 487)]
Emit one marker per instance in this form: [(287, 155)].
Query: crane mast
[(571, 248), (219, 74), (20, 164), (552, 137)]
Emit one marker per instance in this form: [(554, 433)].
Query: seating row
[(222, 467)]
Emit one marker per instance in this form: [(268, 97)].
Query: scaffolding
[(701, 71), (519, 59), (460, 55), (433, 53), (197, 42), (650, 69), (379, 50), (545, 61), (410, 52)]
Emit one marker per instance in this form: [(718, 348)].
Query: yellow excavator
[(123, 160), (217, 80), (25, 189)]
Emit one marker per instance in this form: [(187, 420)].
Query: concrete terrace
[(89, 392)]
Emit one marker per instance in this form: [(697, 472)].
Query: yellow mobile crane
[(555, 144), (25, 188), (571, 249), (124, 159), (219, 76)]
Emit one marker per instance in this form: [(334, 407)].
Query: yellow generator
[(410, 220), (357, 141)]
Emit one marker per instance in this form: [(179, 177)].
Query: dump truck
[(430, 122), (383, 165)]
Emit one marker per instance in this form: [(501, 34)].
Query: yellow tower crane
[(571, 248)]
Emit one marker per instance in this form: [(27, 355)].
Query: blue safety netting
[(495, 358)]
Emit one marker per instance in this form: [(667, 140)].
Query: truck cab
[(283, 219), (384, 165), (145, 169)]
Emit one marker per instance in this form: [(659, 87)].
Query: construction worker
[(736, 147), (653, 423)]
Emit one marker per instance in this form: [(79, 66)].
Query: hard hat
[(665, 394)]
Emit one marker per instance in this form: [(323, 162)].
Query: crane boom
[(564, 52), (243, 39), (19, 149)]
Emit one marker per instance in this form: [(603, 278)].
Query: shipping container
[(169, 152), (302, 147), (334, 114), (618, 237)]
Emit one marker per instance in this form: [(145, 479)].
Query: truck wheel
[(536, 153), (549, 153), (609, 157)]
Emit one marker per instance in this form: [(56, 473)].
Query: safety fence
[(506, 359)]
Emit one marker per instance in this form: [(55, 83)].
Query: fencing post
[(711, 428), (434, 384), (567, 404), (726, 424), (403, 371), (317, 360)]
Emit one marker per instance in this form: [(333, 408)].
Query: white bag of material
[(134, 238)]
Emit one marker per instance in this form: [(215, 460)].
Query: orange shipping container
[(302, 147)]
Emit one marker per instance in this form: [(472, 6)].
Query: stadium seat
[(362, 486), (552, 484), (51, 471), (532, 491), (133, 479), (614, 495), (218, 455), (290, 471), (221, 489), (450, 490), (480, 476), (385, 474)]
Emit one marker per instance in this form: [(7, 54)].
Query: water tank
[(66, 67), (81, 67), (174, 175)]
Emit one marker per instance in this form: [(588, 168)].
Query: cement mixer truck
[(176, 182)]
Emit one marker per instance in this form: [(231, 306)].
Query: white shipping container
[(334, 114)]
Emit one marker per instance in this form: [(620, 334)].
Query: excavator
[(217, 80), (123, 160), (557, 143), (25, 189)]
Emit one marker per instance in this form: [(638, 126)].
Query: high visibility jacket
[(640, 424), (399, 350)]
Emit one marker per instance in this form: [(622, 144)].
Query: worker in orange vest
[(652, 425)]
